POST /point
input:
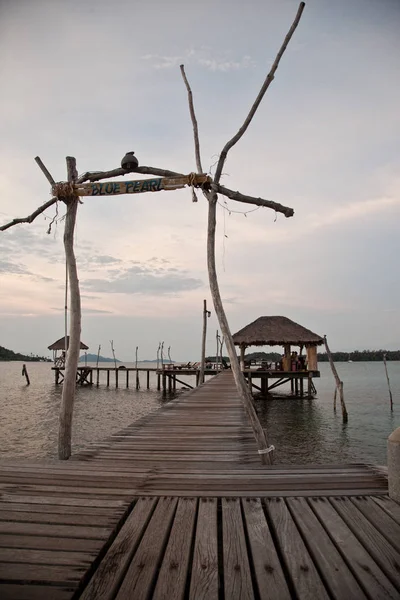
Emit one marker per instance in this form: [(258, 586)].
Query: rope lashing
[(267, 450), (192, 181)]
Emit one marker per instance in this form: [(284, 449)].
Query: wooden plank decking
[(178, 505)]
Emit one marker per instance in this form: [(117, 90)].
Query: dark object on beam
[(129, 162)]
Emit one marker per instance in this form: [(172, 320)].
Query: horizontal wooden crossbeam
[(113, 188)]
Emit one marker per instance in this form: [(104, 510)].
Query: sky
[(94, 79)]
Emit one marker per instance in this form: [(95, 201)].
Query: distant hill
[(6, 354), (93, 358)]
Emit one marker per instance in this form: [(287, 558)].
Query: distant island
[(93, 358), (355, 356), (6, 354)]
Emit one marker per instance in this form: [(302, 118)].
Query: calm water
[(302, 430)]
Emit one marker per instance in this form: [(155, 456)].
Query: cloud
[(104, 260), (225, 65), (11, 267), (143, 280), (203, 57), (352, 211), (162, 62)]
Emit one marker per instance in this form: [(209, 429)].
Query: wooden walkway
[(178, 506)]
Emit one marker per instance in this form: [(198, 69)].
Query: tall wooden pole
[(388, 382), (264, 449), (68, 392), (206, 314), (113, 353), (158, 355), (339, 383), (98, 356)]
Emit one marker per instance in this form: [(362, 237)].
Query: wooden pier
[(301, 382), (178, 505), (121, 376)]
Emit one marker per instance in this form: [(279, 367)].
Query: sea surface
[(303, 431)]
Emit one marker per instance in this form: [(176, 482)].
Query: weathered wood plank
[(375, 543), (389, 506), (46, 557), (24, 573), (108, 577), (9, 591), (337, 575), (141, 573), (375, 584), (204, 579), (380, 519), (303, 574), (58, 519), (63, 501), (50, 543), (111, 188), (269, 575), (53, 530), (61, 510), (237, 576), (174, 569)]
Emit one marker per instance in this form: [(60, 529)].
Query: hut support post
[(309, 386), (339, 383), (242, 355), (68, 392), (388, 382), (287, 359)]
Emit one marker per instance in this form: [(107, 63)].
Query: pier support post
[(309, 386), (250, 381), (108, 377), (393, 457), (158, 382), (148, 379)]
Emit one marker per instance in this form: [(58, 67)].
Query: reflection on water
[(303, 431)]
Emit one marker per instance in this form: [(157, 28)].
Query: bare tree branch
[(260, 96), (92, 176), (31, 217), (286, 210), (44, 170), (194, 121)]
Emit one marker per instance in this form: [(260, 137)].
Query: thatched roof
[(60, 344), (275, 331)]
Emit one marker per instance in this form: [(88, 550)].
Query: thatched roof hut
[(276, 331), (60, 344)]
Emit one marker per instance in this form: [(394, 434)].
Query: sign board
[(113, 188)]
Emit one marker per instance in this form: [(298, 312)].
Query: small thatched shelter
[(59, 361), (279, 331)]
